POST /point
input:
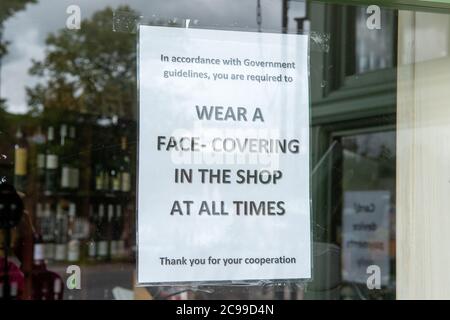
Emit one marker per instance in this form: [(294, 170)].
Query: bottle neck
[(19, 134), (50, 134)]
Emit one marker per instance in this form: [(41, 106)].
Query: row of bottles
[(76, 172), (113, 171), (20, 161), (106, 241), (59, 160), (75, 175), (13, 291), (67, 236), (46, 285)]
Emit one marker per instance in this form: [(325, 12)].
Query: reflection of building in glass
[(81, 133)]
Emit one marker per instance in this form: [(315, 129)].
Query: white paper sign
[(223, 184), (366, 235)]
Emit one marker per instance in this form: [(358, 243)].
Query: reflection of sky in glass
[(26, 31)]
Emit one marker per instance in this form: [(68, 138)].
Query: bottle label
[(60, 252), (65, 177), (110, 211), (126, 182), (40, 161), (63, 130), (57, 287), (14, 289), (20, 166), (102, 248), (99, 182), (39, 251), (73, 253), (51, 161), (116, 184), (92, 249), (82, 227)]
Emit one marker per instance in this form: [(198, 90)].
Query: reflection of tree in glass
[(7, 9), (88, 70)]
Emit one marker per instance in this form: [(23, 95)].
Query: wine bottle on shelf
[(51, 162), (99, 176), (40, 227), (101, 183), (64, 159), (114, 174), (112, 252), (73, 246), (101, 162), (20, 161), (93, 234), (75, 166), (63, 134), (125, 167), (14, 291), (40, 158), (39, 216), (39, 267), (101, 230), (38, 251), (117, 232), (42, 281), (106, 175), (48, 236), (61, 233), (57, 289)]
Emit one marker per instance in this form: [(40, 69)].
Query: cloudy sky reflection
[(27, 30)]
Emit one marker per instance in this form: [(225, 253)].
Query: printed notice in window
[(223, 183)]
